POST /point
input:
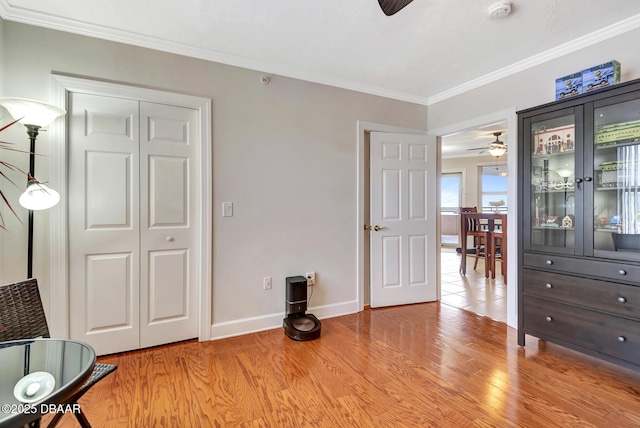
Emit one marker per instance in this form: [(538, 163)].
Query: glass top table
[(36, 375)]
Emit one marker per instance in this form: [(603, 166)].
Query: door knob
[(367, 227), (378, 228)]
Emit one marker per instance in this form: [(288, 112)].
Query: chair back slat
[(21, 312), (472, 224)]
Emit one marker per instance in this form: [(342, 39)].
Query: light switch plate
[(227, 209)]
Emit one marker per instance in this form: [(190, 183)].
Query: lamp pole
[(32, 132), (33, 115)]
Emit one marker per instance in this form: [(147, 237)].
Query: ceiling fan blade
[(390, 7)]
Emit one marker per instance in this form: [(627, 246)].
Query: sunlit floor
[(473, 292)]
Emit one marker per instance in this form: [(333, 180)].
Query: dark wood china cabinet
[(579, 234)]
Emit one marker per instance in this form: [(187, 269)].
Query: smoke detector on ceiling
[(499, 10)]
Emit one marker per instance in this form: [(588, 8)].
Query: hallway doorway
[(464, 182)]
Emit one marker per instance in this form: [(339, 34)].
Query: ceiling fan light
[(497, 151), (497, 148)]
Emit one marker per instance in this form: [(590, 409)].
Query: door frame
[(511, 117), (362, 179), (59, 250)]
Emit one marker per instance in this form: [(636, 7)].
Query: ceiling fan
[(390, 7), (496, 148)]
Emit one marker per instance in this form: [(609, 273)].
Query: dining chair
[(499, 249), (481, 237), (22, 317)]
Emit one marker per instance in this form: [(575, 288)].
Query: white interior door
[(168, 295), (403, 209), (131, 199), (104, 231)]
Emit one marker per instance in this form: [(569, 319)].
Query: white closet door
[(132, 222), (168, 271), (104, 249)]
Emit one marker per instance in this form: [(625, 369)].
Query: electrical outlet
[(266, 283), (311, 278)]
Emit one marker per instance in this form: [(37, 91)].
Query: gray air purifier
[(299, 325)]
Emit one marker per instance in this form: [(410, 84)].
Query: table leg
[(463, 244), (503, 249)]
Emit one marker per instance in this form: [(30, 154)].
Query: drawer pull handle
[(549, 262), (622, 272), (548, 285), (622, 299), (622, 339), (549, 319)]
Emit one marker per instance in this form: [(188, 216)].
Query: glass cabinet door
[(616, 190), (552, 218)]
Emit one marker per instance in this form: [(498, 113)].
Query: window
[(493, 188), (450, 192), (450, 199)]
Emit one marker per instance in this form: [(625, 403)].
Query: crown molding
[(575, 45), (24, 16), (17, 14)]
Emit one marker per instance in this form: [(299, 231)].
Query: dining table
[(37, 376), (488, 222)]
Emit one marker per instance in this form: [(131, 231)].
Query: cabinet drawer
[(616, 271), (606, 334), (618, 299)]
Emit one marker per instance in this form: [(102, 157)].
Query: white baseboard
[(267, 322)]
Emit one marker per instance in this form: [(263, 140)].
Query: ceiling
[(472, 142), (429, 51)]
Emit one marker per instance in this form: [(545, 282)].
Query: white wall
[(283, 153)]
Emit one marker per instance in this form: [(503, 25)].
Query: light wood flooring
[(425, 365)]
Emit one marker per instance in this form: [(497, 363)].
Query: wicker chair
[(22, 317)]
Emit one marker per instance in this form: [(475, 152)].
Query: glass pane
[(617, 177), (450, 192), (493, 188), (450, 196), (553, 182)]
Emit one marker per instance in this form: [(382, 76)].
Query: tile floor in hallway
[(473, 292)]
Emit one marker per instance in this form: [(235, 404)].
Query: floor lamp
[(33, 115)]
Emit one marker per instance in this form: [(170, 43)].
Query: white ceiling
[(473, 142), (430, 50)]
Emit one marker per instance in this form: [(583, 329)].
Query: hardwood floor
[(425, 365)]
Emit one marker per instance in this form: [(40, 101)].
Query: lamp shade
[(31, 112), (497, 150), (565, 172), (39, 197)]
